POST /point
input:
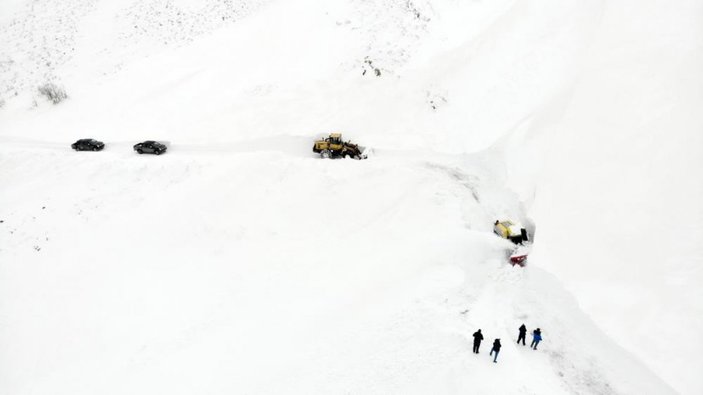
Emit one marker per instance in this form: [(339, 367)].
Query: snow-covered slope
[(273, 271), (617, 185), (239, 262)]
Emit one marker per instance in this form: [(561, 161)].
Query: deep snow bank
[(274, 271), (613, 171)]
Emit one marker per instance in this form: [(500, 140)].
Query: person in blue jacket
[(536, 338), (495, 349)]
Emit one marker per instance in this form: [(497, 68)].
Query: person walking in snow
[(477, 340), (495, 349), (521, 336), (536, 338)]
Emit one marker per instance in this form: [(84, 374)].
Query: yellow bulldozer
[(334, 147)]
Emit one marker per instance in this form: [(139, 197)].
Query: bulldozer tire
[(326, 154)]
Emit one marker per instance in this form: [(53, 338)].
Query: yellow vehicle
[(511, 231), (334, 147)]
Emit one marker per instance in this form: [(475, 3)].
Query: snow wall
[(611, 169)]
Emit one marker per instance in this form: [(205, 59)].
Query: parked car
[(150, 147), (88, 145)]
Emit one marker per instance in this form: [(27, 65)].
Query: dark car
[(150, 147), (88, 145)]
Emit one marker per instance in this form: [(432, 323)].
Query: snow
[(183, 272), (241, 262), (624, 175)]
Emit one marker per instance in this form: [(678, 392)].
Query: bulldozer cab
[(335, 141), (335, 138)]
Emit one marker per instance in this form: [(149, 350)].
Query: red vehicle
[(519, 256)]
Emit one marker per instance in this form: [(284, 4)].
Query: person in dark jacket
[(521, 336), (477, 340), (495, 349), (536, 338)]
